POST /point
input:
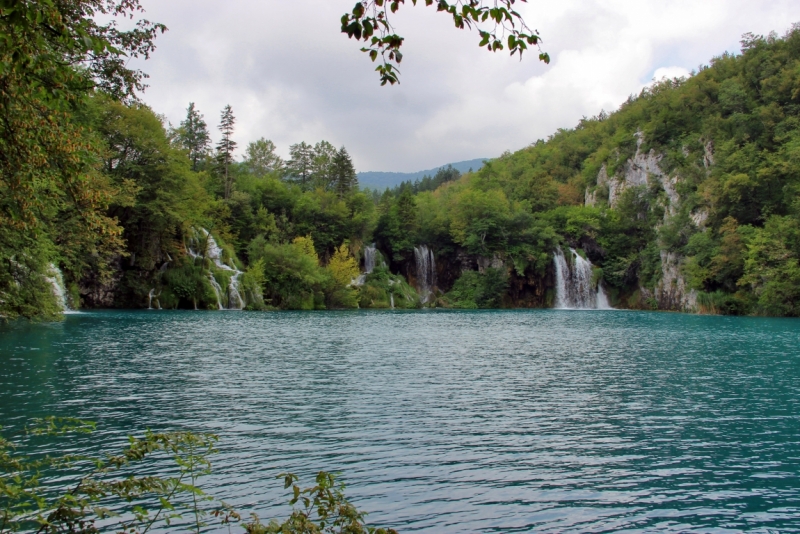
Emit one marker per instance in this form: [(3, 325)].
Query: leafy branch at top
[(499, 26)]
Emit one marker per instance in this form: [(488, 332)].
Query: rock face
[(531, 291), (644, 170), (641, 170), (97, 293), (671, 293)]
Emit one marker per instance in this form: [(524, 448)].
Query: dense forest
[(683, 199)]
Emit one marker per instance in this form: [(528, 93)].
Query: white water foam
[(574, 288)]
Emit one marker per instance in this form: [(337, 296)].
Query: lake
[(449, 421)]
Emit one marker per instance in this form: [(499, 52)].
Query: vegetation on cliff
[(683, 199)]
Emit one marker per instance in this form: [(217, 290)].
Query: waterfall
[(217, 289), (602, 298), (150, 296), (574, 288), (369, 258), (370, 254), (56, 280), (391, 299), (235, 300), (426, 272), (231, 299)]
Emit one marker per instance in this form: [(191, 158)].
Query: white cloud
[(290, 75), (671, 72)]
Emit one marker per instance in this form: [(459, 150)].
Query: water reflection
[(449, 421)]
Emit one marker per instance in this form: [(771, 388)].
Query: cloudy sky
[(291, 76)]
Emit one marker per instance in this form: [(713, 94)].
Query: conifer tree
[(300, 165), (225, 148), (344, 173), (193, 135), (407, 208)]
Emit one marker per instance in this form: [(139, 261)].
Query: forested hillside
[(686, 198)]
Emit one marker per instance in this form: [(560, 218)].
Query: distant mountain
[(386, 180)]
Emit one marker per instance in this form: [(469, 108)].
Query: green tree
[(261, 159), (343, 173), (225, 148), (52, 56), (772, 267), (300, 166), (322, 167), (193, 135)]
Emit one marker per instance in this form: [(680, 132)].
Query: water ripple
[(450, 421)]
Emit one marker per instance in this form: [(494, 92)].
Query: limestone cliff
[(644, 170)]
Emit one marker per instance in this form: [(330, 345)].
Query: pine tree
[(193, 135), (225, 148), (344, 173), (407, 208), (300, 165)]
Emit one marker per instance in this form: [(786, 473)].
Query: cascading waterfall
[(56, 280), (369, 258), (217, 289), (426, 272), (230, 299), (370, 254), (235, 300), (574, 288)]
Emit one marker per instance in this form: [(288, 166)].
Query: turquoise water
[(553, 421)]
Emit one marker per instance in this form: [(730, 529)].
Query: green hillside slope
[(686, 197)]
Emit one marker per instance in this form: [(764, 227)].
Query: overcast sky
[(291, 76)]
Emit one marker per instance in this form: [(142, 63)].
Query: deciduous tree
[(261, 158)]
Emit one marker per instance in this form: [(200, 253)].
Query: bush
[(478, 290), (382, 288)]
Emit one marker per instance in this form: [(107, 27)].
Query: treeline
[(293, 223), (685, 199)]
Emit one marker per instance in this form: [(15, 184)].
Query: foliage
[(369, 21), (187, 285), (225, 148), (52, 55), (72, 492), (301, 165), (478, 290), (293, 278), (343, 269), (343, 266), (428, 183), (261, 158), (320, 508), (106, 493), (772, 267), (382, 289), (193, 136)]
